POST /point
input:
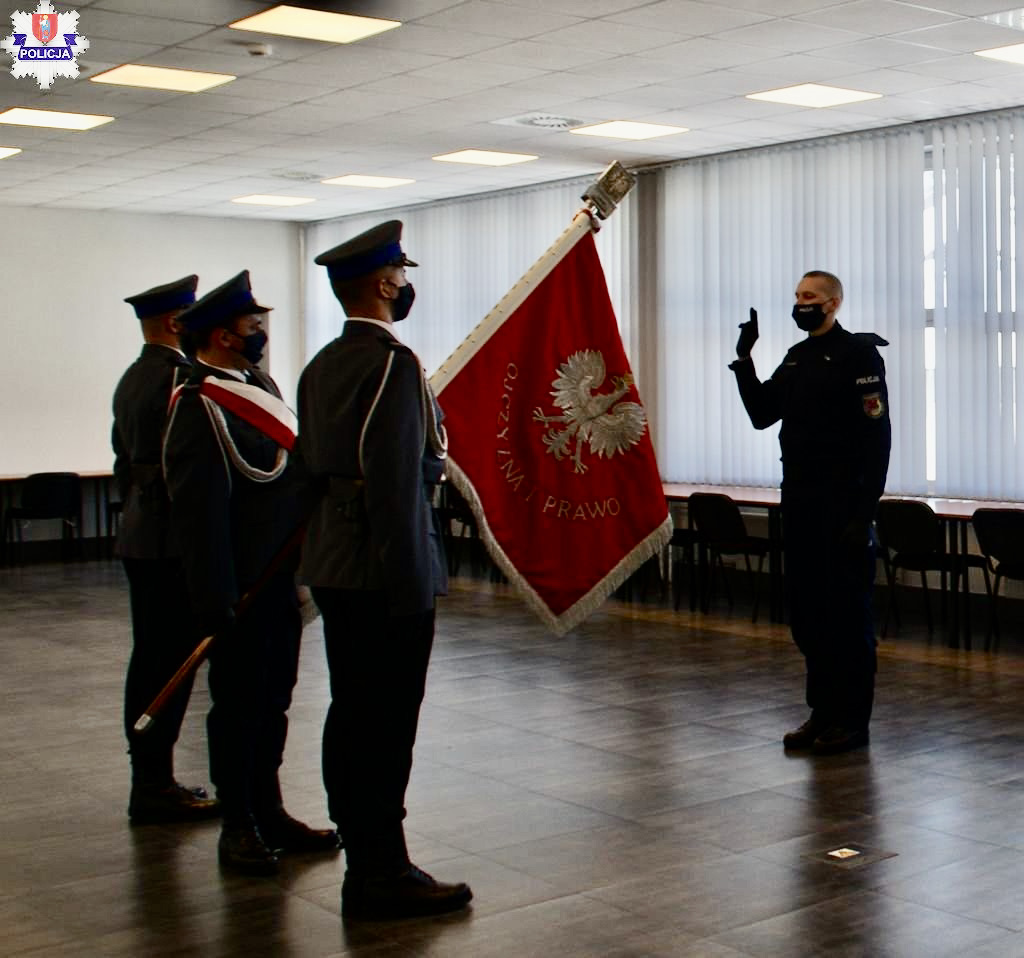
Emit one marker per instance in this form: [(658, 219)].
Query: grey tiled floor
[(618, 792)]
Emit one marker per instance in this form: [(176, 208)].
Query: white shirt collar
[(238, 374), (172, 348), (375, 322)]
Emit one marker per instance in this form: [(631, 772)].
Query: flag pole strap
[(582, 224)]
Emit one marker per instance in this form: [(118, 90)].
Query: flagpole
[(582, 224)]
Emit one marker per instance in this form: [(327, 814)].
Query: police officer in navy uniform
[(163, 631), (830, 394), (371, 437), (236, 499)]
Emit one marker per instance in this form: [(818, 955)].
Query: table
[(762, 497), (99, 479), (954, 513)]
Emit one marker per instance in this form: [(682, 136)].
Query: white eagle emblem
[(608, 425)]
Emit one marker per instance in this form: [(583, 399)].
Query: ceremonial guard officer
[(370, 433), (163, 631), (236, 500), (830, 394)]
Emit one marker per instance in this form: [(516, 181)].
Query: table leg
[(954, 591), (777, 611)]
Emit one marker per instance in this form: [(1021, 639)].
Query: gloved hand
[(856, 535), (748, 335)]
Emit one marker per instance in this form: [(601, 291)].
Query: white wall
[(66, 335)]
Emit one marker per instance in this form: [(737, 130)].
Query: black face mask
[(253, 345), (403, 303), (808, 316)]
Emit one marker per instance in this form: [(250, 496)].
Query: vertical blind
[(739, 232), (919, 222), (470, 252), (971, 192)]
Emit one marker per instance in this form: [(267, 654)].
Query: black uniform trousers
[(378, 670), (829, 585), (253, 669), (164, 634)]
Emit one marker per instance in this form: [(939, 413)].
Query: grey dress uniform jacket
[(140, 411), (367, 430)]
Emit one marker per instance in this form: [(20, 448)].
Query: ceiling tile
[(197, 11), (608, 38), (498, 20), (790, 36), (139, 29), (689, 17), (964, 36), (878, 17)]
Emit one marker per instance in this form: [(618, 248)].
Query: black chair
[(911, 537), (682, 549), (1000, 535), (48, 495), (461, 535), (721, 530), (114, 515)]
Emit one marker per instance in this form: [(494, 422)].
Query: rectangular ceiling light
[(814, 94), (6, 151), (484, 157), (162, 78), (370, 182), (264, 199), (286, 21), (1014, 53), (52, 119), (627, 130)]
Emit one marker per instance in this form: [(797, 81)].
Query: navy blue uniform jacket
[(363, 436), (831, 395), (140, 412)]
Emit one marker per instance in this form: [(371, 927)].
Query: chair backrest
[(1000, 534), (716, 517), (905, 525), (51, 495)]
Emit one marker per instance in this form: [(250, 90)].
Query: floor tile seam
[(990, 846), (969, 775), (596, 703), (546, 796), (781, 634), (954, 914), (856, 895)]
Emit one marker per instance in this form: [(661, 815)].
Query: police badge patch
[(873, 405), (44, 44)]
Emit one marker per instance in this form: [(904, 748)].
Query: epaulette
[(396, 347), (870, 339)]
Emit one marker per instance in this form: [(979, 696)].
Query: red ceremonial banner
[(548, 440)]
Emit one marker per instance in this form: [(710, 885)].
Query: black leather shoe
[(839, 738), (803, 737), (241, 847), (156, 804), (411, 894), (288, 836)]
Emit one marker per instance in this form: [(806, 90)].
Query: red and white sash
[(253, 405)]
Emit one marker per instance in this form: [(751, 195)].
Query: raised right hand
[(748, 335)]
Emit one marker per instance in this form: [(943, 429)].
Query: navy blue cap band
[(362, 263)]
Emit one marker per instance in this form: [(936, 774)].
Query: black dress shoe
[(840, 738), (803, 737), (411, 894), (288, 836), (241, 847), (156, 804)]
